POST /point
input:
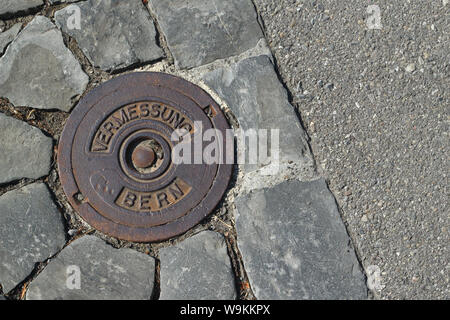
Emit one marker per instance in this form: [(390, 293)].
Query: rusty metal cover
[(114, 157)]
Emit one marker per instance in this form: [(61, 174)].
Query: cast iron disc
[(114, 157)]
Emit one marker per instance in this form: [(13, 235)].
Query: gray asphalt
[(375, 103)]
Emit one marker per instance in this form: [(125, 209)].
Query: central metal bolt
[(143, 157)]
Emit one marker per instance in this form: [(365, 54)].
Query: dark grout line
[(157, 284), (18, 184), (161, 40), (20, 290), (22, 14), (353, 246), (134, 66), (242, 281), (260, 20)]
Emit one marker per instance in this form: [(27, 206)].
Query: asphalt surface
[(375, 103)]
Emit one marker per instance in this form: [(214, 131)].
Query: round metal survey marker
[(115, 157)]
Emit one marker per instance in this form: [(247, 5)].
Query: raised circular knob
[(143, 157)]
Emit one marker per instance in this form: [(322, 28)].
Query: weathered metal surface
[(114, 157), (143, 157)]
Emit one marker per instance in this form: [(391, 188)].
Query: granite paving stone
[(31, 231), (7, 36), (201, 31), (197, 268), (112, 34), (259, 101), (47, 73), (294, 244), (14, 6), (90, 269), (25, 151)]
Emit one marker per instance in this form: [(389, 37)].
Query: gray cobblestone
[(38, 63), (105, 274), (13, 6), (259, 101), (7, 36), (199, 31), (31, 231), (197, 268), (294, 244), (113, 35), (25, 151)]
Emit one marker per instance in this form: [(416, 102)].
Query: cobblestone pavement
[(375, 102), (273, 237)]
